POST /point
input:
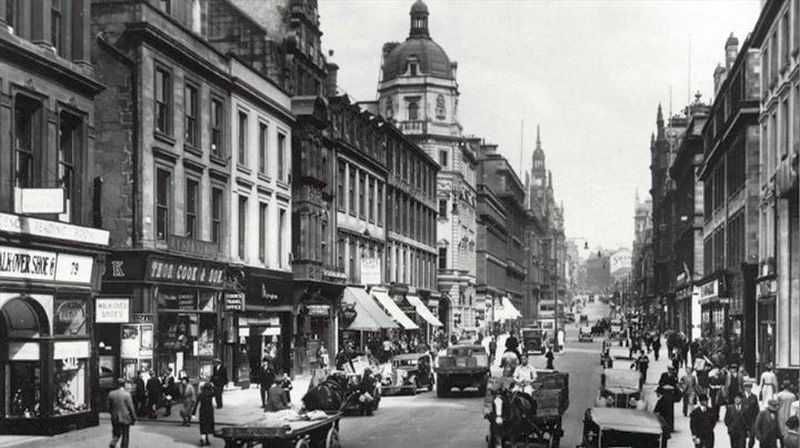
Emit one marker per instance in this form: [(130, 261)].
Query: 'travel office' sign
[(28, 264)]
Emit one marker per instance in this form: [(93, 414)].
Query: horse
[(329, 395), (512, 417)]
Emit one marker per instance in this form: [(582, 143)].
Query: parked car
[(604, 427), (408, 373)]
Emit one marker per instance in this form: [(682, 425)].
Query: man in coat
[(265, 377), (665, 407), (123, 414), (689, 388), (785, 399), (752, 408), (701, 422), (736, 421), (766, 427), (154, 392), (219, 378)]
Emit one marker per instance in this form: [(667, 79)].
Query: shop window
[(70, 317), (71, 381), (163, 200), (24, 380)]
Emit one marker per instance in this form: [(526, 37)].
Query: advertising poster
[(130, 341)]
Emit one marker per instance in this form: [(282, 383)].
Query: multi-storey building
[(777, 36), (730, 182), (51, 247), (418, 91), (688, 206), (642, 256), (502, 266)]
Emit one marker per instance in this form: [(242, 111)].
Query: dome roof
[(419, 7), (432, 59), (732, 40)]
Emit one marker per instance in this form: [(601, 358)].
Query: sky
[(591, 73)]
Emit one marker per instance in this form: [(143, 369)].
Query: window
[(443, 208), (56, 27), (216, 126), (163, 200), (785, 37), (785, 134), (163, 100), (371, 200), (281, 227), (27, 141), (242, 153), (192, 208), (14, 17), (242, 226), (340, 178), (323, 242), (362, 182), (351, 204), (379, 196), (165, 5), (340, 248), (263, 140), (351, 273), (190, 115), (216, 214), (281, 156), (262, 232), (442, 258), (443, 158), (70, 143), (413, 110), (441, 108)]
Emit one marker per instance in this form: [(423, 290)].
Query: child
[(204, 402)]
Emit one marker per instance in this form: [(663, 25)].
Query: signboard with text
[(371, 271), (28, 264), (141, 266), (234, 301)]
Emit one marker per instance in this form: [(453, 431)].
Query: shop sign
[(318, 310), (28, 264), (371, 271), (234, 301), (111, 311), (71, 349), (142, 318), (173, 271), (709, 290), (187, 301), (52, 229)]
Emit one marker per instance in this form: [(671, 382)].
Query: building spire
[(538, 140)]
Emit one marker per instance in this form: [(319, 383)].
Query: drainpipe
[(120, 56)]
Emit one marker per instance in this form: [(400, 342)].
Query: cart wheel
[(302, 443), (332, 439)]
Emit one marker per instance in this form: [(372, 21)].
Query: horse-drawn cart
[(519, 419), (320, 433)]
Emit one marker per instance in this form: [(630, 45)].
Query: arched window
[(389, 107), (413, 111), (20, 319), (441, 108)]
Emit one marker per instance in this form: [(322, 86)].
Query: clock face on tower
[(537, 182)]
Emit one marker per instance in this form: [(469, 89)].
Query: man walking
[(154, 392), (665, 407), (123, 414), (641, 364), (751, 409), (701, 422), (219, 378), (736, 421), (766, 427), (492, 348), (656, 346), (265, 377), (785, 399)]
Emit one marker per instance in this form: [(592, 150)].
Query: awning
[(505, 310), (423, 310), (369, 316), (391, 308)]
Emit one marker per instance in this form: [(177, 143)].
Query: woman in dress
[(204, 402), (188, 398), (769, 384)]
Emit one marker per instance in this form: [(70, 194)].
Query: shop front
[(363, 323), (765, 321), (49, 272), (316, 324), (259, 323), (174, 314), (714, 310)]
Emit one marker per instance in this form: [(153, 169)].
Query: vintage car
[(585, 335), (619, 386), (462, 366), (407, 374), (607, 427), (533, 340)]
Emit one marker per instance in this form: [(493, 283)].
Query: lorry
[(533, 339), (462, 366)]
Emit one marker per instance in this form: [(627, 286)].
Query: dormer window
[(413, 66)]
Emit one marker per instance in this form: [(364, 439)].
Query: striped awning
[(423, 310), (391, 308)]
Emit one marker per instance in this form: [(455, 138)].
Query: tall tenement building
[(418, 91)]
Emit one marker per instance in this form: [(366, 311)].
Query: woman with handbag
[(188, 399)]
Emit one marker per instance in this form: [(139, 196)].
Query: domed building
[(418, 92)]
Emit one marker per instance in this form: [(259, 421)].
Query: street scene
[(399, 223)]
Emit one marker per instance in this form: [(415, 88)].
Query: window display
[(24, 380), (70, 386), (70, 317)]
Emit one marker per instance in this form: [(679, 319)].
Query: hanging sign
[(234, 301), (109, 311)]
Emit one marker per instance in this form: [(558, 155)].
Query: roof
[(419, 7), (625, 420), (369, 316), (433, 61)]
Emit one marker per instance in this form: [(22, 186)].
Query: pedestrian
[(549, 356), (287, 386), (766, 427), (265, 376), (366, 390), (641, 364), (733, 384), (512, 344), (665, 407), (139, 394), (751, 407), (154, 391), (785, 399), (188, 398), (492, 349), (792, 438), (736, 421), (322, 356), (701, 423), (276, 396), (656, 346), (204, 402), (123, 414), (769, 384), (219, 378), (675, 357), (170, 391), (689, 388)]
